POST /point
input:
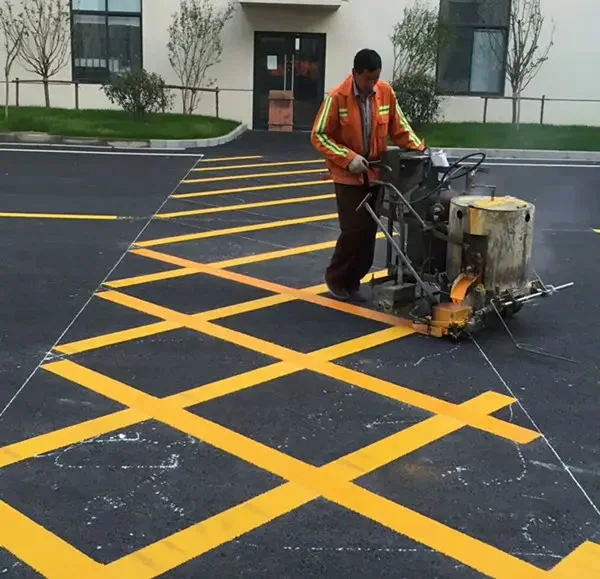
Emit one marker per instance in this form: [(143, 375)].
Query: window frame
[(106, 14), (474, 27)]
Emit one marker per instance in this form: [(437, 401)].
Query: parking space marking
[(322, 481), (257, 165), (18, 533), (147, 330), (222, 159), (253, 188), (317, 364), (244, 206), (83, 216), (50, 555), (233, 230), (255, 176), (218, 270)]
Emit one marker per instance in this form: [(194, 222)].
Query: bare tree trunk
[(6, 95), (514, 107), (46, 93)]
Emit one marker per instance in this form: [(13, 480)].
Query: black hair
[(367, 59)]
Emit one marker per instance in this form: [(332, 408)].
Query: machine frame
[(415, 194)]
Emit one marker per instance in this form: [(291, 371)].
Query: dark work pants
[(355, 249)]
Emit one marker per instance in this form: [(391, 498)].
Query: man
[(351, 129)]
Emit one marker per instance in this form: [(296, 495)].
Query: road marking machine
[(455, 258)]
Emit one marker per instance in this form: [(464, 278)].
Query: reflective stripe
[(384, 110), (322, 137), (411, 135)]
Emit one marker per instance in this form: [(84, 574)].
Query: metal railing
[(216, 91), (542, 100), (18, 82)]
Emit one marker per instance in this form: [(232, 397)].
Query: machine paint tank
[(491, 239)]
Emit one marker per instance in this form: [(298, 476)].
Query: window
[(106, 38), (472, 56)]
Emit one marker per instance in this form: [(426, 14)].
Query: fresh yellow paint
[(77, 216), (244, 206), (234, 230), (257, 165), (255, 176), (253, 188)]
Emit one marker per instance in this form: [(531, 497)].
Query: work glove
[(358, 165)]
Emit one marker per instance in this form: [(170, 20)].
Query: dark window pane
[(124, 5), (89, 48), (487, 62), (125, 42), (475, 12), (455, 62), (96, 5)]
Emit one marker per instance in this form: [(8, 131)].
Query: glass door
[(292, 62)]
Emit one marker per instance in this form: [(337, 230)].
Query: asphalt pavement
[(180, 397)]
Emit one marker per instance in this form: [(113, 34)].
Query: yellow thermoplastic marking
[(256, 165), (244, 206), (387, 389), (234, 230), (146, 330), (255, 176), (220, 159), (217, 271), (81, 216), (63, 437), (253, 188), (42, 550), (442, 538)]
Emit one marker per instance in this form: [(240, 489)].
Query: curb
[(524, 154), (47, 138)]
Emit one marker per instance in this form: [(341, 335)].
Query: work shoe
[(337, 293), (358, 295)]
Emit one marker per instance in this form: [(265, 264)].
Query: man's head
[(366, 70)]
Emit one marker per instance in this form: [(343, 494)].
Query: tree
[(416, 40), (524, 56), (195, 45), (45, 51), (12, 28)]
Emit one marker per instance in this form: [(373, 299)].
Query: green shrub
[(139, 93), (416, 94)]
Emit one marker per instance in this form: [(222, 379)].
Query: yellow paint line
[(221, 159), (248, 259), (81, 216), (255, 176), (158, 327), (434, 405), (175, 550), (218, 271), (377, 454), (243, 206), (63, 437), (442, 538), (160, 557), (582, 563), (488, 560), (253, 188), (396, 392), (151, 277), (116, 337), (43, 551), (235, 230), (257, 165)]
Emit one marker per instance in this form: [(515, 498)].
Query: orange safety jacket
[(337, 131)]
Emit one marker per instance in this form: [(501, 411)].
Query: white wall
[(571, 72)]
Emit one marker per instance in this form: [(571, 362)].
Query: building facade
[(307, 46)]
